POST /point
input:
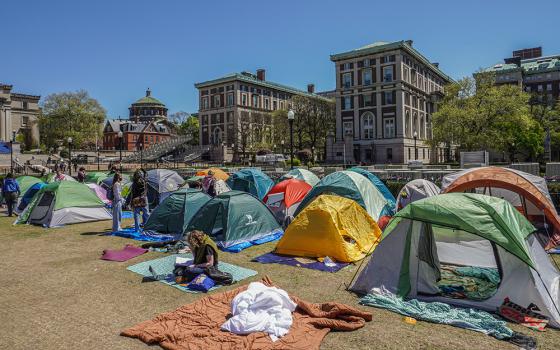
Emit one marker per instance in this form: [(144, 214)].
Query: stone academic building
[(235, 110), (18, 116), (385, 95)]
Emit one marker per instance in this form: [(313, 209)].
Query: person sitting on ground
[(82, 174), (139, 198), (209, 184), (205, 253), (10, 192)]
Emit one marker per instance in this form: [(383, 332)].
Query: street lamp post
[(98, 148), (120, 135), (70, 156), (12, 151), (291, 117), (415, 148), (313, 154), (141, 145)]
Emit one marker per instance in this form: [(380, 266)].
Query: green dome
[(148, 99)]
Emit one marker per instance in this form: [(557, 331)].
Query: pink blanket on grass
[(128, 252)]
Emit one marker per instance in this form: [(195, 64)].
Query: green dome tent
[(474, 232), (96, 177), (350, 185), (64, 202), (173, 215), (25, 182), (236, 220)]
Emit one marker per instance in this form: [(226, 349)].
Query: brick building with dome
[(146, 125)]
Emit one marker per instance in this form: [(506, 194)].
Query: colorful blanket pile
[(470, 282)]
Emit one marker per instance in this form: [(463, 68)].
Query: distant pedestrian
[(82, 174), (11, 192), (209, 184), (118, 202), (75, 166), (139, 198)]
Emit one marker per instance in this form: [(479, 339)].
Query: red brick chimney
[(261, 74), (311, 88)]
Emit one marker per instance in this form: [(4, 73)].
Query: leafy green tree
[(70, 114), (191, 126), (476, 114)]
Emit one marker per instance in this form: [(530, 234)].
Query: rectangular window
[(388, 74), (274, 105), (540, 88), (255, 100), (230, 99), (216, 100), (205, 103), (548, 87), (24, 120), (388, 97), (389, 154), (266, 103), (389, 127), (347, 66), (347, 103), (405, 74), (366, 77), (367, 100), (348, 130), (244, 99), (347, 80)]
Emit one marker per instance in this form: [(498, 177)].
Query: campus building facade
[(18, 116), (235, 110), (533, 72), (385, 94)]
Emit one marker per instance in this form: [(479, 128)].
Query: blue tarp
[(141, 236), (5, 148), (275, 235), (271, 258)]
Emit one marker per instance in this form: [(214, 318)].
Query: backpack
[(110, 194)]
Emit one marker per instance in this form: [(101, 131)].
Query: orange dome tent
[(528, 193), (218, 173)]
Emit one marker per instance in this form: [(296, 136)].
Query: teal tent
[(251, 180), (236, 220), (391, 201), (350, 185), (173, 215)]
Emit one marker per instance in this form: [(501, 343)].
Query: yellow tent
[(218, 173), (331, 226)]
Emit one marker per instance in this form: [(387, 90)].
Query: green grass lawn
[(55, 293)]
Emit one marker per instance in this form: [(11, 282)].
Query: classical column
[(2, 123)]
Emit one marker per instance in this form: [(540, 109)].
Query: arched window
[(217, 136), (407, 124), (368, 130)]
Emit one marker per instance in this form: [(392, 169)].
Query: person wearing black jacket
[(139, 198)]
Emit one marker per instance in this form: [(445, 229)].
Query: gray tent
[(482, 234), (416, 190), (161, 182)]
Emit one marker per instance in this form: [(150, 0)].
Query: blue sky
[(115, 49)]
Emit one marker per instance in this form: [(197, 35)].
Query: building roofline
[(15, 94), (252, 80), (369, 50)]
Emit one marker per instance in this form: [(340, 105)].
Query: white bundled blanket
[(261, 309)]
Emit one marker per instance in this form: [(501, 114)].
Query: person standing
[(82, 174), (118, 202), (11, 192), (209, 184), (139, 201)]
